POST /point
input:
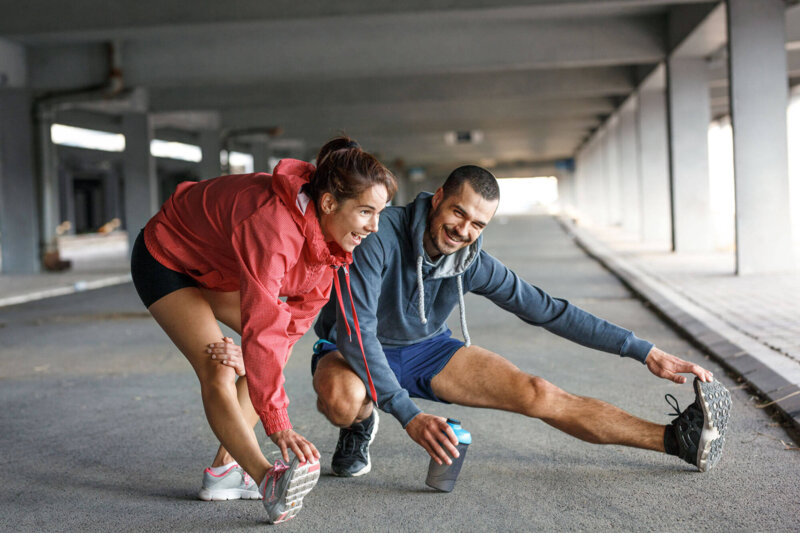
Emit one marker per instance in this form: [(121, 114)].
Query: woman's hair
[(345, 171)]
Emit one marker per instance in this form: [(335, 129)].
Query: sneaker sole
[(368, 468), (716, 403), (302, 480), (227, 494)]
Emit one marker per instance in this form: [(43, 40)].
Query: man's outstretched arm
[(490, 278)]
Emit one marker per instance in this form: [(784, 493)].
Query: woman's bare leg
[(227, 309), (188, 319)]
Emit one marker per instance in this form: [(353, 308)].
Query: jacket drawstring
[(355, 323), (462, 309)]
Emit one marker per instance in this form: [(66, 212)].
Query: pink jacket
[(253, 234)]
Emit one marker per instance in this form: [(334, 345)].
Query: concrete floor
[(102, 428)]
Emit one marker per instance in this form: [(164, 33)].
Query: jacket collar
[(288, 179)]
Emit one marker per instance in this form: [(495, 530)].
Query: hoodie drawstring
[(421, 290), (462, 310), (355, 323)]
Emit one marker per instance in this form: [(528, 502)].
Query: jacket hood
[(447, 266), (288, 178)]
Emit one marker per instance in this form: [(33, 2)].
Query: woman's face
[(349, 222)]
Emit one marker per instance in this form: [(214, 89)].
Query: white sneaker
[(233, 484)]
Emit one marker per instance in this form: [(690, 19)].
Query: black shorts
[(153, 280)]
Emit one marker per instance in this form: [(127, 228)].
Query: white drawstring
[(462, 310)]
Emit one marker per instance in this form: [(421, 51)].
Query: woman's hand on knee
[(228, 354), (289, 439)]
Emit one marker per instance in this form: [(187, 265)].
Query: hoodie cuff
[(403, 409), (636, 348), (275, 421)]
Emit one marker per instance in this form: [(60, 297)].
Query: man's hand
[(227, 353), (302, 448), (668, 366), (432, 433)]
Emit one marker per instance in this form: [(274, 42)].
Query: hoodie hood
[(288, 179), (446, 266)]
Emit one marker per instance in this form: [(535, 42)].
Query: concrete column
[(654, 165), (629, 167), (613, 181), (597, 204), (19, 220), (758, 100), (261, 155), (689, 116), (139, 173), (211, 145)]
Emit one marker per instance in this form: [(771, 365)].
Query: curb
[(782, 395), (78, 286)]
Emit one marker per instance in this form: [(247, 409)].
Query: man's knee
[(340, 399), (541, 398)]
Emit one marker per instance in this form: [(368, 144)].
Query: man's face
[(456, 221)]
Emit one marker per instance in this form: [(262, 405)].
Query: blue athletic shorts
[(414, 365)]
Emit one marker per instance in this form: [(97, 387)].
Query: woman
[(226, 250)]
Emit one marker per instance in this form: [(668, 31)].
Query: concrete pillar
[(139, 173), (656, 220), (261, 155), (629, 168), (613, 181), (758, 100), (19, 220), (211, 145), (689, 111)]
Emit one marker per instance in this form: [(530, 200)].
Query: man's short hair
[(481, 180)]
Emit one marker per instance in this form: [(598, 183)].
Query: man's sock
[(670, 441)]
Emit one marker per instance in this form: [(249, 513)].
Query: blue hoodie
[(389, 269)]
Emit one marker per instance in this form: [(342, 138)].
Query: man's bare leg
[(341, 395), (477, 377)]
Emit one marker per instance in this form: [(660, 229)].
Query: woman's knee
[(215, 378)]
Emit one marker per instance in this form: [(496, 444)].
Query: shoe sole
[(227, 494), (303, 479), (716, 403), (368, 468)]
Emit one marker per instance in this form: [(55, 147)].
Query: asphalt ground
[(102, 428)]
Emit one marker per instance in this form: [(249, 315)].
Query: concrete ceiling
[(535, 76)]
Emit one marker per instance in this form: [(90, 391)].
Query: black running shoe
[(700, 429), (351, 457)]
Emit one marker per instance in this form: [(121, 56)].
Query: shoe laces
[(674, 404), (354, 438), (689, 418)]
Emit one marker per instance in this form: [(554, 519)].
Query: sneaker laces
[(674, 404), (352, 436), (687, 422)]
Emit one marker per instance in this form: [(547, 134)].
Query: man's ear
[(437, 198)]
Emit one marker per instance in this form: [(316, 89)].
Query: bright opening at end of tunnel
[(525, 196)]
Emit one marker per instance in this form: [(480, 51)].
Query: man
[(407, 278)]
